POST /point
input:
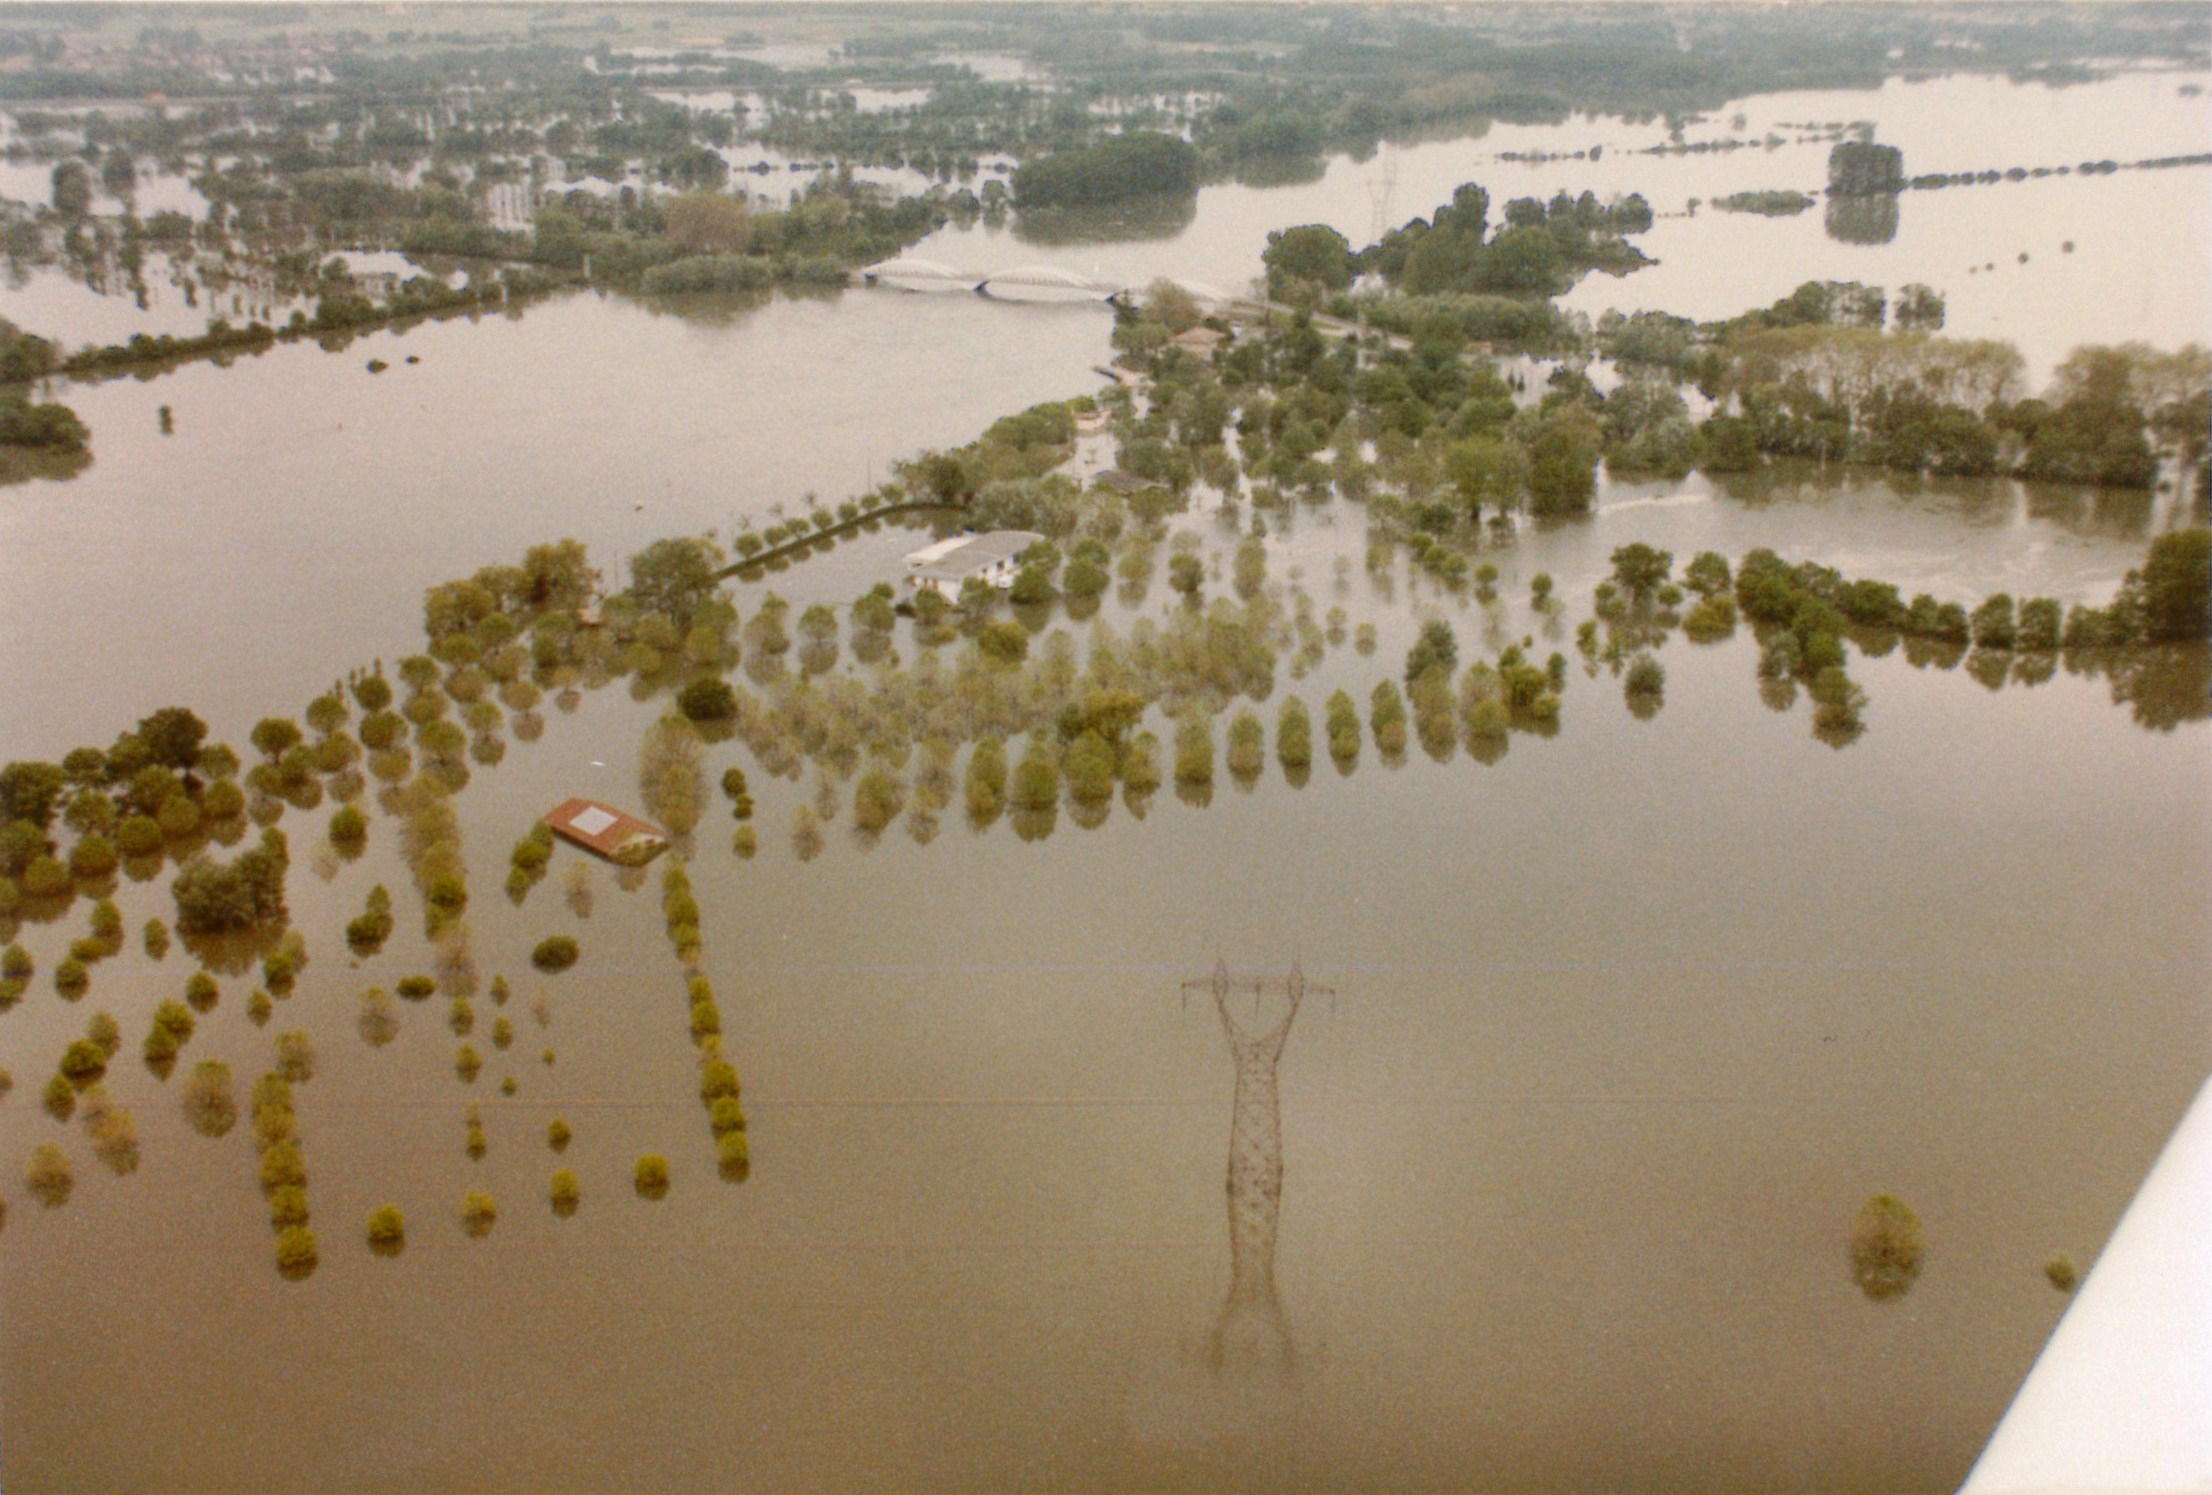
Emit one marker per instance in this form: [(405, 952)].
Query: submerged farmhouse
[(608, 832), (947, 565)]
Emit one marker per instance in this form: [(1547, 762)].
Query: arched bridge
[(919, 274)]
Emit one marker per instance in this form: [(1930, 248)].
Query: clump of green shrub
[(366, 934), (2061, 1272), (208, 1105), (379, 1018), (415, 988), (102, 1030), (651, 1176), (725, 1114), (16, 970), (49, 1176), (986, 780), (156, 939), (245, 893), (565, 1193), (554, 954), (387, 1230), (668, 773), (349, 831), (733, 1157), (467, 1064), (528, 861), (1645, 685), (1247, 746), (295, 1253), (83, 1062), (172, 1028), (1341, 719), (740, 795), (282, 1167), (1294, 735), (680, 912), (1887, 1247), (114, 1131), (295, 1056), (1194, 751), (478, 1213), (557, 1135)]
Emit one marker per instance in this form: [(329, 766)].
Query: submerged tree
[(208, 1104), (387, 1230), (1886, 1247)]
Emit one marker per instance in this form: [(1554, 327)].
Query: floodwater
[(1625, 1025), (2129, 230)]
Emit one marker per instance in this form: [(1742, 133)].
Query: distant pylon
[(1381, 191)]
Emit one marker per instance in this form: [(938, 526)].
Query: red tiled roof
[(609, 832)]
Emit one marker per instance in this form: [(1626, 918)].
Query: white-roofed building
[(947, 566)]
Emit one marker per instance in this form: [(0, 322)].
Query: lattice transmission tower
[(1381, 191), (1251, 1336)]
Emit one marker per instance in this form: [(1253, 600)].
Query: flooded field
[(1622, 1026)]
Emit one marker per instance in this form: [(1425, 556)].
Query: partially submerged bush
[(1247, 745), (717, 1079), (83, 1062), (295, 1253), (209, 1106), (295, 1056), (379, 1018), (1886, 1247), (387, 1230), (726, 1115), (366, 935), (349, 830), (114, 1131), (49, 1176), (282, 1167), (668, 773), (287, 1207), (103, 1031), (1294, 735), (244, 893)]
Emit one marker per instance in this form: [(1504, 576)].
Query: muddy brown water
[(1627, 1026)]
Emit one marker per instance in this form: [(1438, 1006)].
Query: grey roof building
[(993, 557)]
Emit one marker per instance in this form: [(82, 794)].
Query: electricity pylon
[(1380, 192), (1252, 1336)]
